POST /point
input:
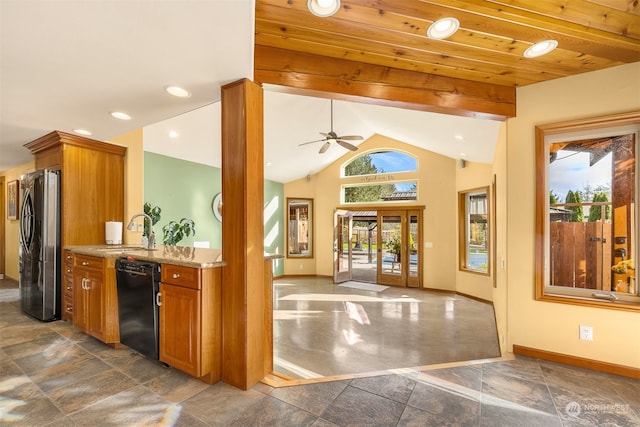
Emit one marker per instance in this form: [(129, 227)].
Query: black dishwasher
[(138, 284)]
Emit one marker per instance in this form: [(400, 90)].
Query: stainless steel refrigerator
[(39, 251)]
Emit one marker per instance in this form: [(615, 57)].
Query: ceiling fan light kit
[(323, 8), (331, 137)]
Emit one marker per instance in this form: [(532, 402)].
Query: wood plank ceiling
[(377, 50)]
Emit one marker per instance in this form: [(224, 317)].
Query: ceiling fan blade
[(347, 145), (351, 138), (325, 147), (311, 142)]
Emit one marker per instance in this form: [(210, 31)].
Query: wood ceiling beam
[(383, 85)]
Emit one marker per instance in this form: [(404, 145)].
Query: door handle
[(158, 303)]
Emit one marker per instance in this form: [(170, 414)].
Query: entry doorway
[(379, 246)]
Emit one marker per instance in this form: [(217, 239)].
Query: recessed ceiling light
[(82, 132), (120, 115), (540, 48), (463, 154), (268, 164), (459, 137), (173, 134), (323, 8), (443, 28), (178, 91)]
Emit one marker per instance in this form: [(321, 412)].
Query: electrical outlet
[(301, 266), (586, 333)]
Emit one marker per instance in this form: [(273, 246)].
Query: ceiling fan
[(332, 137)]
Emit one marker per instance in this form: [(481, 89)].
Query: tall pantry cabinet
[(92, 190)]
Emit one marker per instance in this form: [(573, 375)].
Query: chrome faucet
[(151, 237)]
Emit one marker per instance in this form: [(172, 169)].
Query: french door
[(399, 254), (342, 251)]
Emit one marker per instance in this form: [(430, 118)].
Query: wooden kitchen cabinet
[(95, 303), (67, 286), (92, 192), (190, 328)]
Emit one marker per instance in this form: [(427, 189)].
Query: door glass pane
[(343, 244), (414, 239), (391, 229)]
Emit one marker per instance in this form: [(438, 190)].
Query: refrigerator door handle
[(26, 229)]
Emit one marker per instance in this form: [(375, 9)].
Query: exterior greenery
[(578, 211), (595, 213), (363, 165)]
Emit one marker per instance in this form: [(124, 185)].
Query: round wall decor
[(216, 206)]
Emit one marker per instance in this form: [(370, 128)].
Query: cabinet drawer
[(188, 277), (67, 308), (67, 289), (87, 262)]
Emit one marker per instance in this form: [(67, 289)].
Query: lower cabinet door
[(180, 322), (95, 314)]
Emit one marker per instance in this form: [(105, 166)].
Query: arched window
[(380, 162), (379, 177)]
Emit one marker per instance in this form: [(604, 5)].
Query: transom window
[(380, 177)]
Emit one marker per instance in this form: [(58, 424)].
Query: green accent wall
[(184, 189)]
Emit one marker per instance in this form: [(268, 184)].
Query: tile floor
[(51, 375)]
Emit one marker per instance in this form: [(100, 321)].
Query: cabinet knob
[(69, 270), (69, 287), (85, 263), (69, 257), (69, 309), (176, 275)]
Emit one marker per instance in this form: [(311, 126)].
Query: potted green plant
[(174, 231), (154, 214), (395, 247)]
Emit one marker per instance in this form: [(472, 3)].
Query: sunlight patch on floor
[(342, 297), (298, 370), (357, 312), (294, 314)]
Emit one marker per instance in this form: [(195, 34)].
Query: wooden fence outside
[(581, 254)]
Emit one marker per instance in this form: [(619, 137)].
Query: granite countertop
[(177, 255)]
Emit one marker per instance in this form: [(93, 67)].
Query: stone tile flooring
[(52, 375)]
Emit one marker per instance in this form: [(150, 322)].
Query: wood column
[(243, 302)]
